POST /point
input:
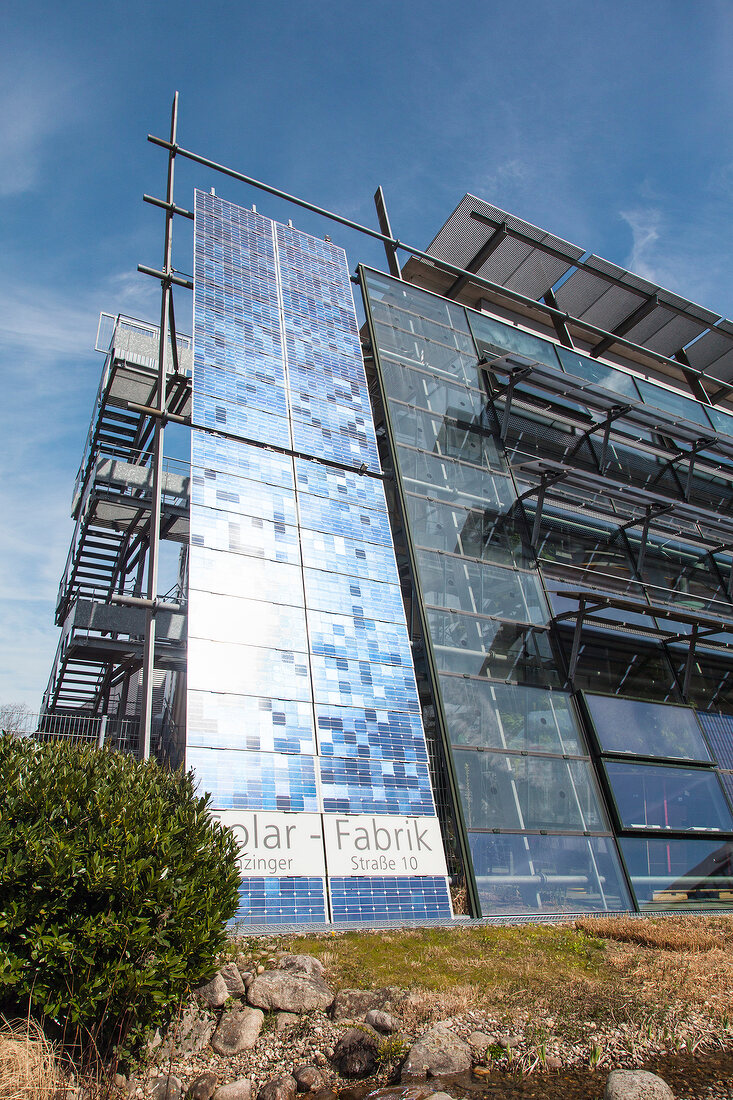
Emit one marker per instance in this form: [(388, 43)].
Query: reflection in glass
[(667, 872), (598, 373), (468, 440), (460, 584), (555, 874), (685, 408), (487, 533), (486, 647), (646, 729), (588, 545), (426, 391), (650, 796), (527, 792), (494, 338), (457, 482), (509, 716), (612, 665)]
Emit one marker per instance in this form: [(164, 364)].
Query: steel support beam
[(383, 218), (626, 325), (146, 717), (475, 264)]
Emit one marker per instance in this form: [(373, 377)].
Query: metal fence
[(118, 733)]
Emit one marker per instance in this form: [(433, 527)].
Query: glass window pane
[(459, 584), (722, 422), (430, 392), (494, 338), (650, 796), (491, 533), (690, 872), (646, 729), (433, 475), (509, 716), (683, 407), (719, 732), (487, 647), (614, 665), (598, 373), (527, 792), (450, 436), (551, 874)]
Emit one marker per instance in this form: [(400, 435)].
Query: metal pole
[(146, 716)]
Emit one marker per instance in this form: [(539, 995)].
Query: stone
[(279, 1088), (167, 1088), (381, 1021), (439, 1096), (302, 964), (289, 992), (241, 1089), (285, 1020), (636, 1084), (232, 979), (553, 1062), (238, 1030), (190, 1034), (480, 1041), (308, 1079), (436, 1053), (214, 993), (355, 1054), (353, 1004), (507, 1041), (203, 1086)]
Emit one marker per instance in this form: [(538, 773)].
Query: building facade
[(468, 614)]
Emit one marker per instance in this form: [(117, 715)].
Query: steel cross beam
[(626, 325), (653, 511), (497, 237)]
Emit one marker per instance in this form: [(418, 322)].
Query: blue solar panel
[(718, 729), (297, 637)]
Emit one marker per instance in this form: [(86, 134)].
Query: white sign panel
[(278, 844), (360, 844)]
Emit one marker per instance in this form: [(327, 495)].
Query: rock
[(480, 1041), (355, 1054), (260, 969), (190, 1034), (552, 1062), (238, 1030), (436, 1053), (232, 979), (214, 993), (286, 1020), (507, 1041), (439, 1096), (636, 1084), (203, 1086), (167, 1088), (302, 964), (281, 989), (279, 1088), (353, 1004), (308, 1079), (240, 1089), (320, 1058), (381, 1021)]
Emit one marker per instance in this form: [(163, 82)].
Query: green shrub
[(115, 888)]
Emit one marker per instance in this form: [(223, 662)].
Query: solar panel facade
[(303, 715)]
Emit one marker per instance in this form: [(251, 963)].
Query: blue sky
[(607, 123)]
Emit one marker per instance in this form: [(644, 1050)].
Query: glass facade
[(303, 714), (563, 563)]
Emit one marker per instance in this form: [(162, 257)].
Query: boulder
[(232, 979), (236, 1090), (238, 1030), (214, 993), (353, 1004), (189, 1035), (308, 1079), (437, 1053), (381, 1021), (203, 1086), (289, 992), (167, 1088), (302, 964), (355, 1054), (636, 1084), (279, 1088)]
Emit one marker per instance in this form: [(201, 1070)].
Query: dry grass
[(685, 934), (28, 1066)]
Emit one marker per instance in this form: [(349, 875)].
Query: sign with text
[(360, 844), (277, 844)]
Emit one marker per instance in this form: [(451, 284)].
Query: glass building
[(464, 614)]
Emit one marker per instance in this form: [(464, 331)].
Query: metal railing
[(100, 731)]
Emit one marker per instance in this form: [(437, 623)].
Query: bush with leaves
[(115, 888)]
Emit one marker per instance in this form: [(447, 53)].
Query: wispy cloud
[(644, 257), (38, 99)]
